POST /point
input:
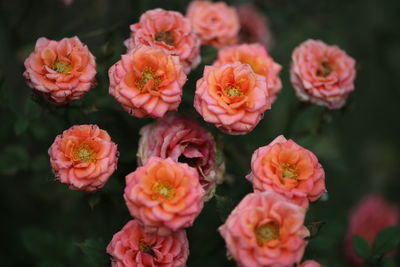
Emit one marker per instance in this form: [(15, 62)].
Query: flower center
[(84, 154), (62, 67), (266, 232), (165, 37), (232, 91), (163, 189), (148, 76), (146, 248), (289, 171), (325, 69)]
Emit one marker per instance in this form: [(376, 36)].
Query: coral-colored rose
[(310, 263), (132, 247), (170, 31), (265, 230), (164, 195), (322, 74), (83, 157), (184, 140), (61, 71), (254, 27), (147, 82), (372, 214), (232, 96), (288, 169), (216, 23), (257, 57)]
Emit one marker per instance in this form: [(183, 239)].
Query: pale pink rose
[(310, 263), (164, 195), (371, 215), (288, 169), (147, 82), (215, 22), (169, 31), (265, 230), (232, 96), (83, 157), (132, 247), (254, 27), (61, 71), (259, 60), (184, 140), (322, 74)]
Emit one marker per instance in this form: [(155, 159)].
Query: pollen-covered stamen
[(289, 171), (62, 67), (266, 232), (146, 248), (148, 75), (325, 69), (232, 91), (84, 153), (163, 189), (165, 37)]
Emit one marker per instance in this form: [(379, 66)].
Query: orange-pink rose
[(322, 74), (265, 230), (310, 263), (83, 157), (132, 247), (232, 96), (164, 195), (61, 71), (216, 23), (288, 169), (259, 60), (169, 31), (183, 140), (147, 82)]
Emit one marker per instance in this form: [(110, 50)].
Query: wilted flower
[(322, 74), (232, 96), (170, 31), (147, 82), (183, 140), (132, 247), (83, 157), (265, 230), (60, 70)]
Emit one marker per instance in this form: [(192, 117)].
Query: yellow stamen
[(165, 37), (266, 232), (145, 248), (289, 171), (147, 75), (233, 91), (163, 189), (326, 69), (62, 67), (85, 154)]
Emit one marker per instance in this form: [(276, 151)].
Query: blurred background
[(46, 224)]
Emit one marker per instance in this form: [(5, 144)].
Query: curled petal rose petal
[(322, 74), (310, 263), (83, 157), (61, 71)]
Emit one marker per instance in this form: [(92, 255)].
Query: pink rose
[(310, 263), (184, 140), (322, 74), (288, 169), (169, 31), (147, 82), (257, 57), (61, 71), (215, 22), (132, 247), (265, 230), (232, 97), (83, 157), (164, 195)]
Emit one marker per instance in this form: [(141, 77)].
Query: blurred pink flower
[(310, 263), (61, 71), (371, 215), (322, 74), (132, 247), (67, 2)]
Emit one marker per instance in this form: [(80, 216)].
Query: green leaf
[(315, 228), (387, 240), (388, 262), (361, 246), (224, 206)]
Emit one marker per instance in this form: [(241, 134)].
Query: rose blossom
[(183, 139), (169, 31), (147, 82), (310, 263), (83, 157), (322, 74), (216, 23), (265, 230), (232, 97), (164, 195), (371, 215), (60, 70), (254, 27), (257, 57), (132, 247), (288, 169)]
